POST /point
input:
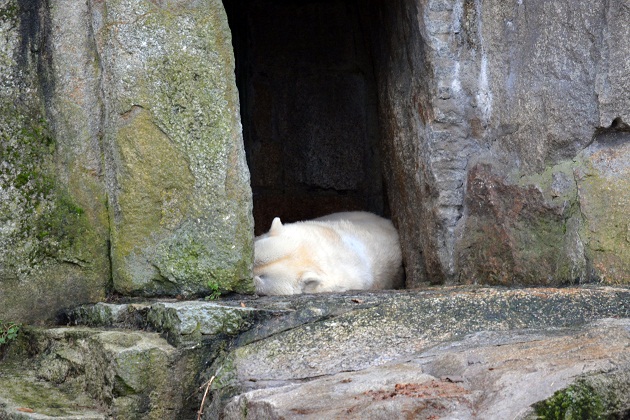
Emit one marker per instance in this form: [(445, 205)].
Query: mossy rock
[(86, 373), (181, 206), (600, 396), (604, 192), (54, 235)]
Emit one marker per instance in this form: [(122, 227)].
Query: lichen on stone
[(603, 185), (523, 232), (176, 152)]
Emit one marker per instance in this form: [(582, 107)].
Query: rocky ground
[(435, 353)]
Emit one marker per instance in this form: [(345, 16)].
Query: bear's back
[(380, 239)]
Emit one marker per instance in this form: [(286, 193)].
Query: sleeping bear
[(334, 253)]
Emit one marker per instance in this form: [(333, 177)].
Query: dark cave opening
[(308, 96)]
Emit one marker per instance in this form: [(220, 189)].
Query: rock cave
[(482, 128), (336, 115), (307, 88)]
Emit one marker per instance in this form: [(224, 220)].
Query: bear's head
[(287, 260)]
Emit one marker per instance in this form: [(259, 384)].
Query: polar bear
[(334, 253)]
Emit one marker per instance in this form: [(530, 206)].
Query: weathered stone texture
[(402, 69), (603, 184), (613, 71), (180, 201), (53, 216), (452, 352), (520, 89), (484, 375), (86, 374), (120, 150), (513, 234)]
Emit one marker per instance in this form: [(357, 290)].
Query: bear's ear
[(310, 282), (276, 226)]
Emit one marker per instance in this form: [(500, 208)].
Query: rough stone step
[(182, 323), (249, 319), (395, 324), (86, 373), (499, 375), (390, 327), (191, 323), (168, 348)]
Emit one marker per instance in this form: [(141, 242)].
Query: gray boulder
[(122, 164), (180, 201), (485, 105)]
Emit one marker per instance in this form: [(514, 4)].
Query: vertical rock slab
[(403, 71), (475, 98), (53, 219), (603, 183), (550, 117), (180, 203)]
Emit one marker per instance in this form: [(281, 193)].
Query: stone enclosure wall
[(122, 161), (502, 132), (505, 131), (495, 134)]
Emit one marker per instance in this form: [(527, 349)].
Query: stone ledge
[(262, 350), (484, 375)]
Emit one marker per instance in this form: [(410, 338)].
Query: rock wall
[(53, 211), (497, 119), (180, 201), (122, 158), (503, 137)]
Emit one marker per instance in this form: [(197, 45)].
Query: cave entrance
[(308, 97)]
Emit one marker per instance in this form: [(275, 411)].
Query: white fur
[(334, 253)]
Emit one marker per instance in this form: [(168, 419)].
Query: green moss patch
[(182, 221), (578, 401), (602, 396), (524, 233), (604, 185)]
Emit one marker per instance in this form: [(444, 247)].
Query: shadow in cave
[(308, 98)]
